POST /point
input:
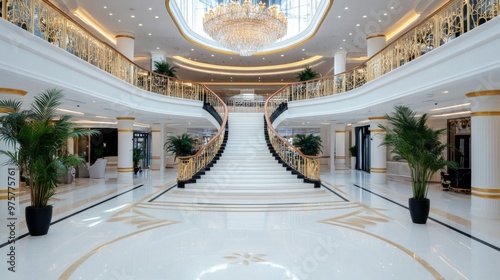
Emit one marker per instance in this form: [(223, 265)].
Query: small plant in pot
[(409, 138), (34, 137), (136, 157), (181, 145)]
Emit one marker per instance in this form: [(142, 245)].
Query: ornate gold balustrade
[(45, 21), (245, 106), (309, 166), (452, 20), (190, 165)]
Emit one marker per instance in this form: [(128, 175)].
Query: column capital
[(375, 35)]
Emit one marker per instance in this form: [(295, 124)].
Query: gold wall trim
[(155, 157), (125, 118), (339, 131), (377, 130), (125, 36), (485, 190), (483, 93), (339, 157), (289, 47), (125, 130), (375, 36), (125, 169), (488, 196), (7, 191), (377, 118), (485, 114), (13, 91), (155, 130)]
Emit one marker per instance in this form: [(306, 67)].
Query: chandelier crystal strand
[(245, 29)]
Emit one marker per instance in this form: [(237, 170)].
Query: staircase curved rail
[(47, 22), (308, 166), (446, 24), (189, 166)]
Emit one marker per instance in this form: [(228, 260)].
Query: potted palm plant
[(136, 157), (307, 74), (353, 150), (35, 136), (164, 68), (409, 138), (181, 145), (308, 144)]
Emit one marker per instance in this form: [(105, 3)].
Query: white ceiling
[(165, 37)]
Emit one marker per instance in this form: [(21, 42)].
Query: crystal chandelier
[(245, 29)]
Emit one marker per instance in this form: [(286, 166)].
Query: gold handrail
[(47, 22), (188, 166), (309, 166), (450, 21)]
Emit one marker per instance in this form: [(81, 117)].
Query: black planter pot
[(419, 210), (38, 220), (136, 169)]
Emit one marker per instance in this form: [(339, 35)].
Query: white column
[(375, 43), (163, 153), (378, 152), (325, 142), (332, 146), (339, 61), (125, 45), (485, 153), (340, 145), (156, 147), (157, 56), (125, 144)]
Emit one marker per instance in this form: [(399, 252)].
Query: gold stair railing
[(47, 22), (189, 166), (449, 22), (308, 166)]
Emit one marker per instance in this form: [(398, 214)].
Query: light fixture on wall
[(245, 29)]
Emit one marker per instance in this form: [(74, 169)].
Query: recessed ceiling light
[(132, 16), (303, 50), (213, 55), (263, 58), (357, 24), (105, 7), (157, 48), (157, 17), (192, 50), (302, 58), (119, 20), (282, 55), (110, 14), (149, 34), (341, 48), (445, 91), (385, 14), (350, 33), (212, 80), (150, 9), (392, 8), (364, 16), (339, 16), (379, 20), (347, 8), (282, 80), (140, 24)]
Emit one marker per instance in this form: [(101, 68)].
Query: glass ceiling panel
[(303, 16)]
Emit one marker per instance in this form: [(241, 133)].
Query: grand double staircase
[(247, 172)]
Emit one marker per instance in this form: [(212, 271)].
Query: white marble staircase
[(247, 172)]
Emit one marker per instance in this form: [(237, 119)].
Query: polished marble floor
[(358, 228)]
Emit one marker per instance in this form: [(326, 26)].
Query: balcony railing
[(47, 22), (451, 21)]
